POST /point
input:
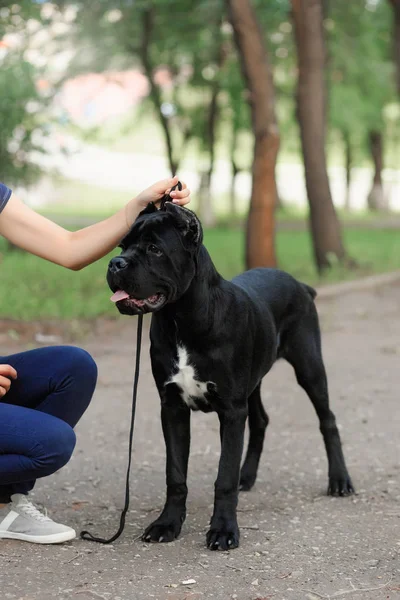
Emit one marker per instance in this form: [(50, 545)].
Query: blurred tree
[(187, 53), (20, 101), (260, 247), (207, 79), (144, 51), (359, 54), (236, 116), (376, 198), (311, 113), (17, 121), (396, 39)]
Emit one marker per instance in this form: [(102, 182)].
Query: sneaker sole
[(55, 538)]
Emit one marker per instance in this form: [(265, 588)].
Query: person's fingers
[(182, 197), (8, 371), (184, 186), (5, 383), (180, 194), (165, 185), (3, 392), (181, 202)]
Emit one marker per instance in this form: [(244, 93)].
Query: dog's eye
[(154, 250)]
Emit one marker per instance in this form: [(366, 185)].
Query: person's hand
[(6, 374), (155, 192)]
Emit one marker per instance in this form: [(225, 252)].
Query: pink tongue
[(119, 295)]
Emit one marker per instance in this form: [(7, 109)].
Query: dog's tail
[(310, 291)]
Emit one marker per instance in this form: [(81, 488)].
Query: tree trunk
[(348, 167), (208, 217), (311, 97), (234, 173), (235, 170), (256, 69), (376, 197), (232, 192), (207, 212), (147, 27), (396, 39), (205, 208)]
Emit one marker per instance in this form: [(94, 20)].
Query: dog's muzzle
[(116, 264), (130, 303)]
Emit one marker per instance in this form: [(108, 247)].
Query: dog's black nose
[(117, 264)]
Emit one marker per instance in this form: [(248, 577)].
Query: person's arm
[(27, 229)]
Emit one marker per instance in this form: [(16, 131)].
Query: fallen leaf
[(79, 504)]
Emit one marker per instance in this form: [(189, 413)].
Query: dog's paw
[(162, 531), (247, 481), (225, 537), (340, 485)]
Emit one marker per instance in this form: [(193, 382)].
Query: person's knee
[(80, 367), (65, 446), (54, 449)]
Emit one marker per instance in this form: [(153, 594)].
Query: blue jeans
[(37, 416)]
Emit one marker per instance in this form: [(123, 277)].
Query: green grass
[(33, 289), (78, 199)]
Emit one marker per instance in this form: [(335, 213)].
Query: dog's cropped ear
[(187, 222), (150, 208)]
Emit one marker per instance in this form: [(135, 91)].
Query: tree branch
[(144, 53)]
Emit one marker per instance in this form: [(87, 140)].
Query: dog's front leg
[(175, 417), (224, 531)]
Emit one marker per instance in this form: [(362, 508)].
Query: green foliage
[(360, 68), (178, 40), (186, 42), (19, 102), (17, 123), (110, 34)]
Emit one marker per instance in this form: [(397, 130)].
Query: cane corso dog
[(212, 342)]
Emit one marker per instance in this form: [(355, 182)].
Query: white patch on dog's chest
[(191, 387)]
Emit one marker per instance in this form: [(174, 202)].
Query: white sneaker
[(23, 521)]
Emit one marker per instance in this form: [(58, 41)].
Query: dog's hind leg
[(258, 422), (302, 349)]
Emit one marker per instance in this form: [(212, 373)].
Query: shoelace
[(31, 510)]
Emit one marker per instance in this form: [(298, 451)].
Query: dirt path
[(296, 543)]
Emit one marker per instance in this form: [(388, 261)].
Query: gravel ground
[(296, 543)]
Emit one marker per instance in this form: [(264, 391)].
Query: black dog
[(212, 342)]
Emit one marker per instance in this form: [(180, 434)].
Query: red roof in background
[(94, 97)]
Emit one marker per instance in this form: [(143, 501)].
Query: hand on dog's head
[(184, 219), (158, 259)]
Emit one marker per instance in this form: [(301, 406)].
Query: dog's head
[(158, 259)]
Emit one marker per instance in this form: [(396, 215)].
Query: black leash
[(86, 535), (167, 197)]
